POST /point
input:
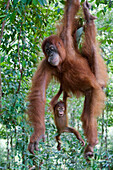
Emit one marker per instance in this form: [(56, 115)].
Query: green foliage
[(27, 23)]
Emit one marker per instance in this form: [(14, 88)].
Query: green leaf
[(62, 1), (29, 2), (12, 17), (2, 16), (104, 9), (19, 118), (15, 2), (41, 2), (2, 59), (23, 63), (24, 1), (97, 2), (82, 1), (35, 2)]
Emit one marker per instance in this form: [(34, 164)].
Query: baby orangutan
[(61, 121)]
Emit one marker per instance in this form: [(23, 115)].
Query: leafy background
[(24, 25)]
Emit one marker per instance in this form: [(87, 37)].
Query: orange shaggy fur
[(77, 72)]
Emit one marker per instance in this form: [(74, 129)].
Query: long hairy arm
[(66, 29), (37, 100), (55, 98)]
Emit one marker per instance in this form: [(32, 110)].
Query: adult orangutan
[(79, 73)]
